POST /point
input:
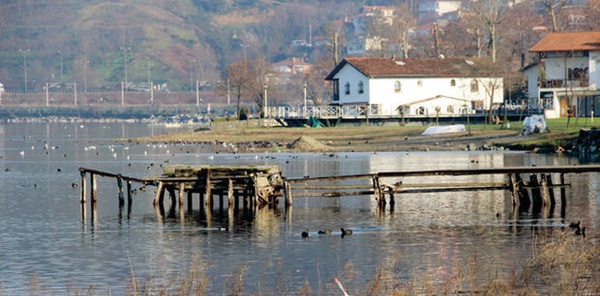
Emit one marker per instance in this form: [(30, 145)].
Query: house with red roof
[(417, 86), (566, 79)]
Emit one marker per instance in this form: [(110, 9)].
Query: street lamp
[(61, 66), (266, 103), (192, 68), (25, 52), (245, 47), (125, 49), (85, 67), (304, 111)]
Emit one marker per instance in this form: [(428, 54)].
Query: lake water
[(43, 238)]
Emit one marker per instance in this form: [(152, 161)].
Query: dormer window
[(361, 87), (347, 88)]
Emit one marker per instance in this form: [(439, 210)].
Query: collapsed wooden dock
[(258, 186), (252, 186)]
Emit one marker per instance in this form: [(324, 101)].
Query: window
[(452, 82), (397, 86), (421, 110), (474, 86), (419, 83), (450, 109), (361, 87), (347, 88)]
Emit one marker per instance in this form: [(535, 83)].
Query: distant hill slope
[(98, 43)]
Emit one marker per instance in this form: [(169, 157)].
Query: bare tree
[(553, 8), (239, 77), (491, 13)]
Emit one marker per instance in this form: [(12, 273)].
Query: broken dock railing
[(257, 186), (540, 184)]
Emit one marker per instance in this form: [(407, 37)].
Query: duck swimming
[(305, 233), (346, 232)]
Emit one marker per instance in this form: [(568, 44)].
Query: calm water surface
[(43, 239)]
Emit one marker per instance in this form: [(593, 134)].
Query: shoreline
[(232, 137)]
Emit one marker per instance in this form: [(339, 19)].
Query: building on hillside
[(291, 66), (566, 78), (432, 10), (358, 41), (417, 86)]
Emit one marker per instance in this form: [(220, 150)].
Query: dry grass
[(562, 264)]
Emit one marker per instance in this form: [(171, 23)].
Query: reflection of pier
[(257, 186)]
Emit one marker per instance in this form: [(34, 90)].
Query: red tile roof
[(568, 41), (426, 67)]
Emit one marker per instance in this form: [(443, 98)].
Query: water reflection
[(426, 234)]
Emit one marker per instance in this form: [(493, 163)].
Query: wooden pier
[(258, 186), (529, 186)]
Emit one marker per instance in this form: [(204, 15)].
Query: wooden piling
[(512, 183), (182, 197), (230, 197), (160, 193), (536, 195), (120, 191), (287, 191), (551, 196), (94, 187), (83, 187), (190, 201), (544, 189)]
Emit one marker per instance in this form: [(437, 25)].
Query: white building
[(429, 10), (566, 80), (418, 86)]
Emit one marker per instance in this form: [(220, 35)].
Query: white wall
[(555, 66), (383, 92), (532, 74), (594, 69), (351, 75)]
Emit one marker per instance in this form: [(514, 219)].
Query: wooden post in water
[(230, 198), (182, 197), (512, 183), (208, 190), (544, 184), (160, 193), (120, 190), (377, 191), (551, 196), (83, 189), (82, 194), (94, 188), (524, 202), (287, 191), (535, 193), (129, 198), (190, 201)]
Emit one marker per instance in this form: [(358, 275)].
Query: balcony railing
[(560, 83)]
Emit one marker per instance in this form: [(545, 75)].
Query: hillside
[(98, 44)]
